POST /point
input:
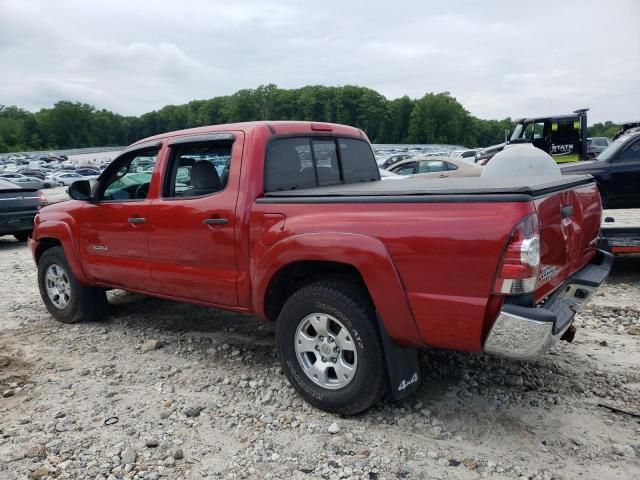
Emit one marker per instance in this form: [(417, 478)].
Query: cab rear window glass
[(304, 162)]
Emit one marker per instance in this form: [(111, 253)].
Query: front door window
[(130, 178)]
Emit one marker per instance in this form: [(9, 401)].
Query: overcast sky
[(498, 58)]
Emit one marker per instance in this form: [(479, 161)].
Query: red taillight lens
[(520, 263)]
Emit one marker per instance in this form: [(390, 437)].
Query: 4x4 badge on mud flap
[(405, 383)]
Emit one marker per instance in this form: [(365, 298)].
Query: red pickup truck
[(290, 221)]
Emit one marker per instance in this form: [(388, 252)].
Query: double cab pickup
[(291, 222)]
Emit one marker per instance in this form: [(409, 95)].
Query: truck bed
[(420, 189)]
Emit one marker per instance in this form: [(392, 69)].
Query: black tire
[(85, 302), (21, 236), (353, 308)]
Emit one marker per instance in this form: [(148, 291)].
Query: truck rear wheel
[(330, 348), (66, 299)]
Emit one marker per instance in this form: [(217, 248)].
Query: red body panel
[(429, 267), (568, 243)]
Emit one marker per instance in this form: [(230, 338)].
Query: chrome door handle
[(215, 221), (136, 220)]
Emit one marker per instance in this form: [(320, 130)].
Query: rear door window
[(431, 166), (306, 162), (198, 169)]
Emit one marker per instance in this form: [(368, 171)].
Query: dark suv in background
[(617, 171)]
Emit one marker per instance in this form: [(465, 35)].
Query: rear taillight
[(518, 270), (42, 198)]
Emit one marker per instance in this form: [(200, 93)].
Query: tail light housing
[(520, 263)]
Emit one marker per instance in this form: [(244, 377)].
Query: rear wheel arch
[(362, 258), (293, 276)]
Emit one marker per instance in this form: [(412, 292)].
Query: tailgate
[(569, 228)]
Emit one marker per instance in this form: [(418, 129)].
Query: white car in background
[(67, 178), (437, 166)]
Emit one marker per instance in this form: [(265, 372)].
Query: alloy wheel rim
[(58, 286), (326, 351)]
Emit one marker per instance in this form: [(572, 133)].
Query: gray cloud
[(499, 58)]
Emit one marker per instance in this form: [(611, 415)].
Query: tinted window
[(538, 130), (451, 166), (295, 163), (326, 157), (289, 165), (564, 129), (431, 166), (197, 169), (631, 153), (358, 162)]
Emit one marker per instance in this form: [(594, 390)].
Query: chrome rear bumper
[(526, 333)]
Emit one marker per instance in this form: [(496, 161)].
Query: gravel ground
[(165, 390)]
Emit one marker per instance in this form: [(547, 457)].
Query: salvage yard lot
[(198, 393)]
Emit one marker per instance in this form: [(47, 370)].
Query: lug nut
[(334, 359), (324, 359), (317, 347), (321, 338), (331, 340), (337, 350)]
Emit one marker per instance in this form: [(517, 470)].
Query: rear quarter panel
[(445, 256)]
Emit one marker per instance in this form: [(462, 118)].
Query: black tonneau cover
[(421, 189)]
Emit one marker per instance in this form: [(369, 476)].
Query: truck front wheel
[(66, 299), (330, 348)]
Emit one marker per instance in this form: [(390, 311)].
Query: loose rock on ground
[(198, 393)]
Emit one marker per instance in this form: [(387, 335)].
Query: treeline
[(434, 118), (606, 129)]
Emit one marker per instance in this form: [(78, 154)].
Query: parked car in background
[(436, 166), (393, 159), (32, 182), (27, 181), (29, 172), (485, 154), (18, 207), (596, 145), (88, 172), (617, 172), (66, 178), (465, 153)]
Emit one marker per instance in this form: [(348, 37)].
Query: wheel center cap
[(325, 349)]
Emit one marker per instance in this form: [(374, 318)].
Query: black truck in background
[(564, 137)]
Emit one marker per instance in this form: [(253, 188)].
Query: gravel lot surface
[(197, 393)]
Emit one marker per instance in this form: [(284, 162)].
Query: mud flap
[(402, 365)]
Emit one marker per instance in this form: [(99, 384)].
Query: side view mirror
[(80, 190)]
